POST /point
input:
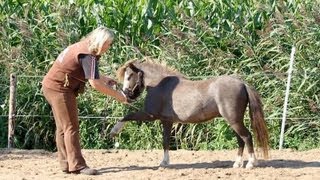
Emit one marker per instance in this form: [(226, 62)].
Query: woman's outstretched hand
[(109, 81)]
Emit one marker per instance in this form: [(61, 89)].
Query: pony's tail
[(258, 123)]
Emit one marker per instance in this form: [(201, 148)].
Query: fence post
[(12, 110), (284, 115)]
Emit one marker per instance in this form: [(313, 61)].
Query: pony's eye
[(129, 77)]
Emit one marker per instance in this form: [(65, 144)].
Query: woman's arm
[(108, 81), (104, 85)]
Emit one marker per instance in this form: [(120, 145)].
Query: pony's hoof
[(251, 164), (164, 164), (112, 134), (238, 164)]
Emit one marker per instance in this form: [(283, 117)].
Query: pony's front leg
[(167, 126), (137, 116), (116, 129)]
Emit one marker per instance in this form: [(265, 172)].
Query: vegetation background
[(200, 38)]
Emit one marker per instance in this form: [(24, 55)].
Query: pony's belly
[(195, 109), (198, 117)]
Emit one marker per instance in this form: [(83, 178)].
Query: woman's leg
[(64, 106)]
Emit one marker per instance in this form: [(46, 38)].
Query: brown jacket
[(66, 74)]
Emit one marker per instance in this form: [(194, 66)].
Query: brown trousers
[(65, 112)]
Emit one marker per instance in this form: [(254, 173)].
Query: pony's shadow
[(276, 163), (204, 165), (292, 164)]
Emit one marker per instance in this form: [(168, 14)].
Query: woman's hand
[(109, 81)]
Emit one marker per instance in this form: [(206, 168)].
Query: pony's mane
[(152, 64)]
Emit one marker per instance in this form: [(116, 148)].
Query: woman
[(76, 65)]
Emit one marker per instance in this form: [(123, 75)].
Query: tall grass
[(199, 38)]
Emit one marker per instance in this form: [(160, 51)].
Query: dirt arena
[(143, 164)]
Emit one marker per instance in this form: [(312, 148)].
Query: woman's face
[(106, 46)]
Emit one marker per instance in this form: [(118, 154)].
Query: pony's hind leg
[(246, 137), (239, 159), (167, 126)]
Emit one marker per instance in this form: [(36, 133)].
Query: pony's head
[(133, 80)]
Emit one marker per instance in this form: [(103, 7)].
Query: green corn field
[(200, 38)]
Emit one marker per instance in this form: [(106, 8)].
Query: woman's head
[(100, 40)]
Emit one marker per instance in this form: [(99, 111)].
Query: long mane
[(151, 64)]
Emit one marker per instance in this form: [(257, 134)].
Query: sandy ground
[(144, 164)]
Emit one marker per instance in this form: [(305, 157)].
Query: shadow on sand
[(276, 163)]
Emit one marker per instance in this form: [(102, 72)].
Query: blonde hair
[(97, 38)]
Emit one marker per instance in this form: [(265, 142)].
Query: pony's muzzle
[(129, 94)]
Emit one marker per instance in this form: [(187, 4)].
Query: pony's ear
[(134, 68)]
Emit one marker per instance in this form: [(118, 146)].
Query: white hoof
[(252, 163), (164, 164), (238, 162), (166, 159)]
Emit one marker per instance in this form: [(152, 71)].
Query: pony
[(173, 98)]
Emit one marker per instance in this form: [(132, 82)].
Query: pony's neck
[(154, 73), (152, 77)]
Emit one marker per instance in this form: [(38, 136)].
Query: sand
[(144, 164)]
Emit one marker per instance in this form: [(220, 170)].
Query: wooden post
[(12, 110)]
